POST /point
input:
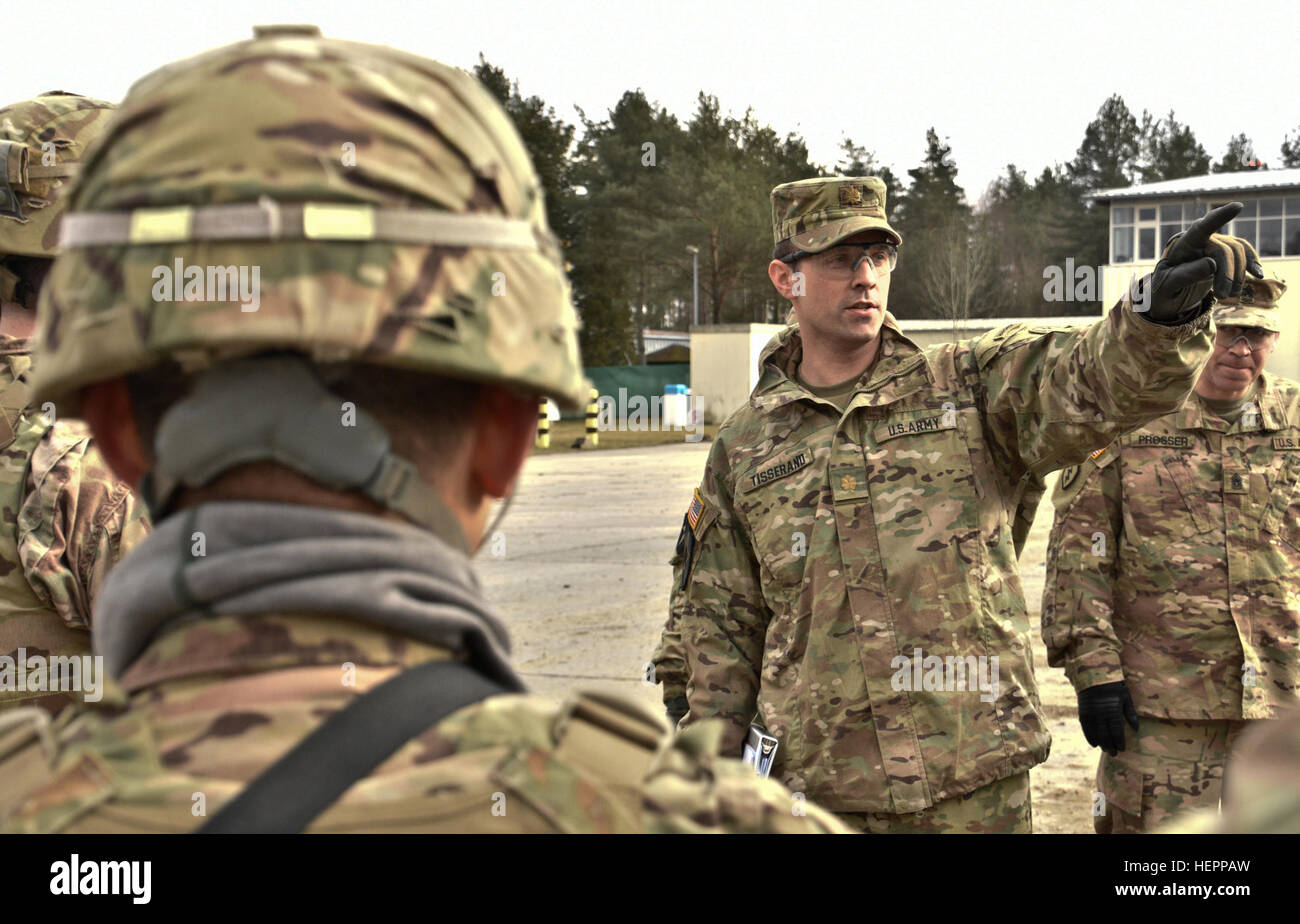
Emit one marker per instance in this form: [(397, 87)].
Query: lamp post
[(695, 267)]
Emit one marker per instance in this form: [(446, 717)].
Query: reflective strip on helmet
[(154, 226), (338, 222), (268, 221)]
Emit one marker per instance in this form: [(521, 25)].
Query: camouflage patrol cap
[(811, 215), (386, 202), (42, 140), (1255, 307)]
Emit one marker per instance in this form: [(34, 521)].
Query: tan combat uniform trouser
[(1170, 767), (998, 808)]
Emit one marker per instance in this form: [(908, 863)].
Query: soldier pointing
[(847, 576)]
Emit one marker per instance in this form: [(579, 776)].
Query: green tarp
[(638, 380)]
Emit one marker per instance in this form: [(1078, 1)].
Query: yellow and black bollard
[(593, 436), (543, 425)]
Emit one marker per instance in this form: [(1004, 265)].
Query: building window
[(1121, 234), (1146, 232), (1271, 224), (1175, 217), (1142, 232)]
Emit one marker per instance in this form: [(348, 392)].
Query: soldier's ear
[(782, 276), (106, 407), (505, 426)]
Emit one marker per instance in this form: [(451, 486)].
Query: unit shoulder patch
[(700, 514), (696, 511), (1073, 476), (1069, 475)]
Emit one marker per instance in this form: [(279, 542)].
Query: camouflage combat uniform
[(669, 658), (1261, 785), (827, 546), (67, 518), (212, 702), (227, 659), (1174, 566)]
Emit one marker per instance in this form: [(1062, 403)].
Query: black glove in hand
[(677, 707), (1196, 263), (1103, 710)]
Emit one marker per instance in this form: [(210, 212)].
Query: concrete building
[(724, 365), (724, 357), (1144, 217)]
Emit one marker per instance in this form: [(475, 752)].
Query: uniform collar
[(1194, 415), (901, 368)]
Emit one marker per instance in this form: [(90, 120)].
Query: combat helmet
[(385, 206), (42, 142)]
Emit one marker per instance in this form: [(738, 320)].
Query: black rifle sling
[(287, 796)]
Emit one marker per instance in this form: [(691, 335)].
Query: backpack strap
[(287, 796)]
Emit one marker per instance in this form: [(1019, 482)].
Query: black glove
[(677, 707), (1195, 264), (1103, 710)]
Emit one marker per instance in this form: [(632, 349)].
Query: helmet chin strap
[(496, 520), (275, 408)]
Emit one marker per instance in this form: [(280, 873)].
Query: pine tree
[(1170, 150), (1291, 149), (1107, 157), (1238, 156)]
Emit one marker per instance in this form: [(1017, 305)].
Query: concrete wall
[(724, 365), (1115, 280)]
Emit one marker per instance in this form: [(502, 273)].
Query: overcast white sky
[(1004, 82)]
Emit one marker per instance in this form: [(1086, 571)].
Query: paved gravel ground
[(583, 584)]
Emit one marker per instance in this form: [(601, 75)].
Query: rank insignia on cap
[(857, 197), (696, 510)]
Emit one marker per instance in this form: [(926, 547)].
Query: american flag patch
[(1097, 452), (694, 512)]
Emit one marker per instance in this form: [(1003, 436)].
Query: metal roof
[(1255, 181)]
